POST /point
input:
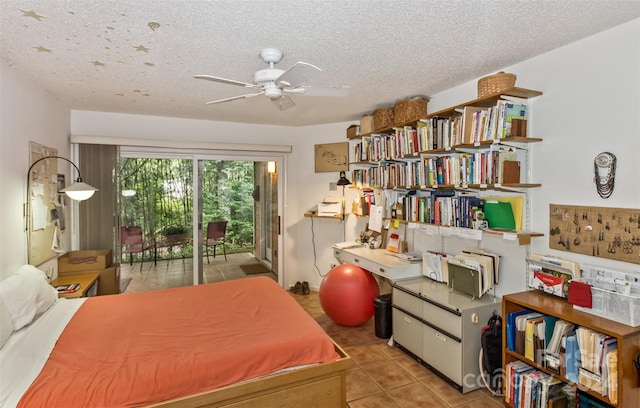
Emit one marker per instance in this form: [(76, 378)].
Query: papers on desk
[(347, 245), (409, 256)]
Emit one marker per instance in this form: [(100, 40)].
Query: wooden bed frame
[(321, 385)]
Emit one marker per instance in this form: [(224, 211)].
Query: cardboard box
[(109, 280), (85, 260)]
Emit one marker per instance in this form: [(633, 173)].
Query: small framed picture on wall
[(332, 157)]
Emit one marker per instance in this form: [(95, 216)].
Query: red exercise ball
[(347, 294)]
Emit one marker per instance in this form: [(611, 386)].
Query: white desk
[(380, 261)]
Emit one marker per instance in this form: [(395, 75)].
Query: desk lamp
[(343, 181)]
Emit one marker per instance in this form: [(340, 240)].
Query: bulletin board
[(45, 205), (332, 157), (604, 232)]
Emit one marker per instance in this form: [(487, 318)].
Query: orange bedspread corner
[(141, 348)]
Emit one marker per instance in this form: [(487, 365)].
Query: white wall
[(27, 113)]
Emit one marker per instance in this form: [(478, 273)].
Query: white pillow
[(6, 324), (27, 294)]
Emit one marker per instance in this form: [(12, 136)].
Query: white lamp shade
[(271, 167), (79, 191)]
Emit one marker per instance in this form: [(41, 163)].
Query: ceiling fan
[(276, 83)]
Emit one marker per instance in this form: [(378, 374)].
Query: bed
[(242, 343)]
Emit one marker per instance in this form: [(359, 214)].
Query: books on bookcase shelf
[(544, 334)]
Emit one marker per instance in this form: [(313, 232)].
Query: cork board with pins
[(604, 232), (42, 220)]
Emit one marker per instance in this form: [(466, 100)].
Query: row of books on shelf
[(489, 167), (449, 209), (527, 387), (579, 354), (442, 208), (471, 125)]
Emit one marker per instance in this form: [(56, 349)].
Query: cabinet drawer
[(442, 318), (407, 302), (442, 353), (407, 331)]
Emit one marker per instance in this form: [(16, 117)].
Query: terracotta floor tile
[(360, 385), (381, 400), (367, 354), (412, 366), (389, 374), (448, 393), (416, 395)]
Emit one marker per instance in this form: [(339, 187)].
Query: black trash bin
[(382, 309)]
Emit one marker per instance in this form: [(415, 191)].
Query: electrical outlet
[(333, 186), (49, 273)]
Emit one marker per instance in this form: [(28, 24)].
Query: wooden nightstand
[(88, 285)]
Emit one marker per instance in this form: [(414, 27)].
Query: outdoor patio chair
[(133, 241), (216, 235)]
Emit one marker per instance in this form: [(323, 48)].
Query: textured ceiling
[(140, 56)]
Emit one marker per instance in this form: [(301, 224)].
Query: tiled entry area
[(179, 272)]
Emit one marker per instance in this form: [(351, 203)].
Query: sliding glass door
[(174, 197)]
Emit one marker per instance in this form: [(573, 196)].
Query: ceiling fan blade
[(233, 98), (226, 81), (297, 75), (284, 103), (343, 90)]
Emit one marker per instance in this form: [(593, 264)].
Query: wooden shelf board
[(313, 215)]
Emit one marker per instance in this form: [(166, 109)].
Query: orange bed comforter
[(141, 348)]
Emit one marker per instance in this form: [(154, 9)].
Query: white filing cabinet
[(379, 261), (442, 328)]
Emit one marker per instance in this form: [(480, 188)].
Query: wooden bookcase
[(628, 340)]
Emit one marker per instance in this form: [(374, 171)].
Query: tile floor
[(381, 376), (179, 272)]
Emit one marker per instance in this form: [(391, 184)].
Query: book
[(70, 288), (512, 111)]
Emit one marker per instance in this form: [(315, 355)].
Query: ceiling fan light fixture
[(273, 82), (272, 91)]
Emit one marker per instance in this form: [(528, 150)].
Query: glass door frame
[(197, 156)]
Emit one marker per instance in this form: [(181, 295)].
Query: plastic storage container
[(613, 305), (382, 310)]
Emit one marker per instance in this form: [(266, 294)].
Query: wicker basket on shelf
[(411, 109), (366, 124), (382, 118), (495, 83)]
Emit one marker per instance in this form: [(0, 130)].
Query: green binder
[(499, 215)]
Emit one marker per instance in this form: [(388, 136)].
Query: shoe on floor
[(297, 289), (305, 288)]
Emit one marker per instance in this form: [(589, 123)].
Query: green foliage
[(175, 230), (163, 200)]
